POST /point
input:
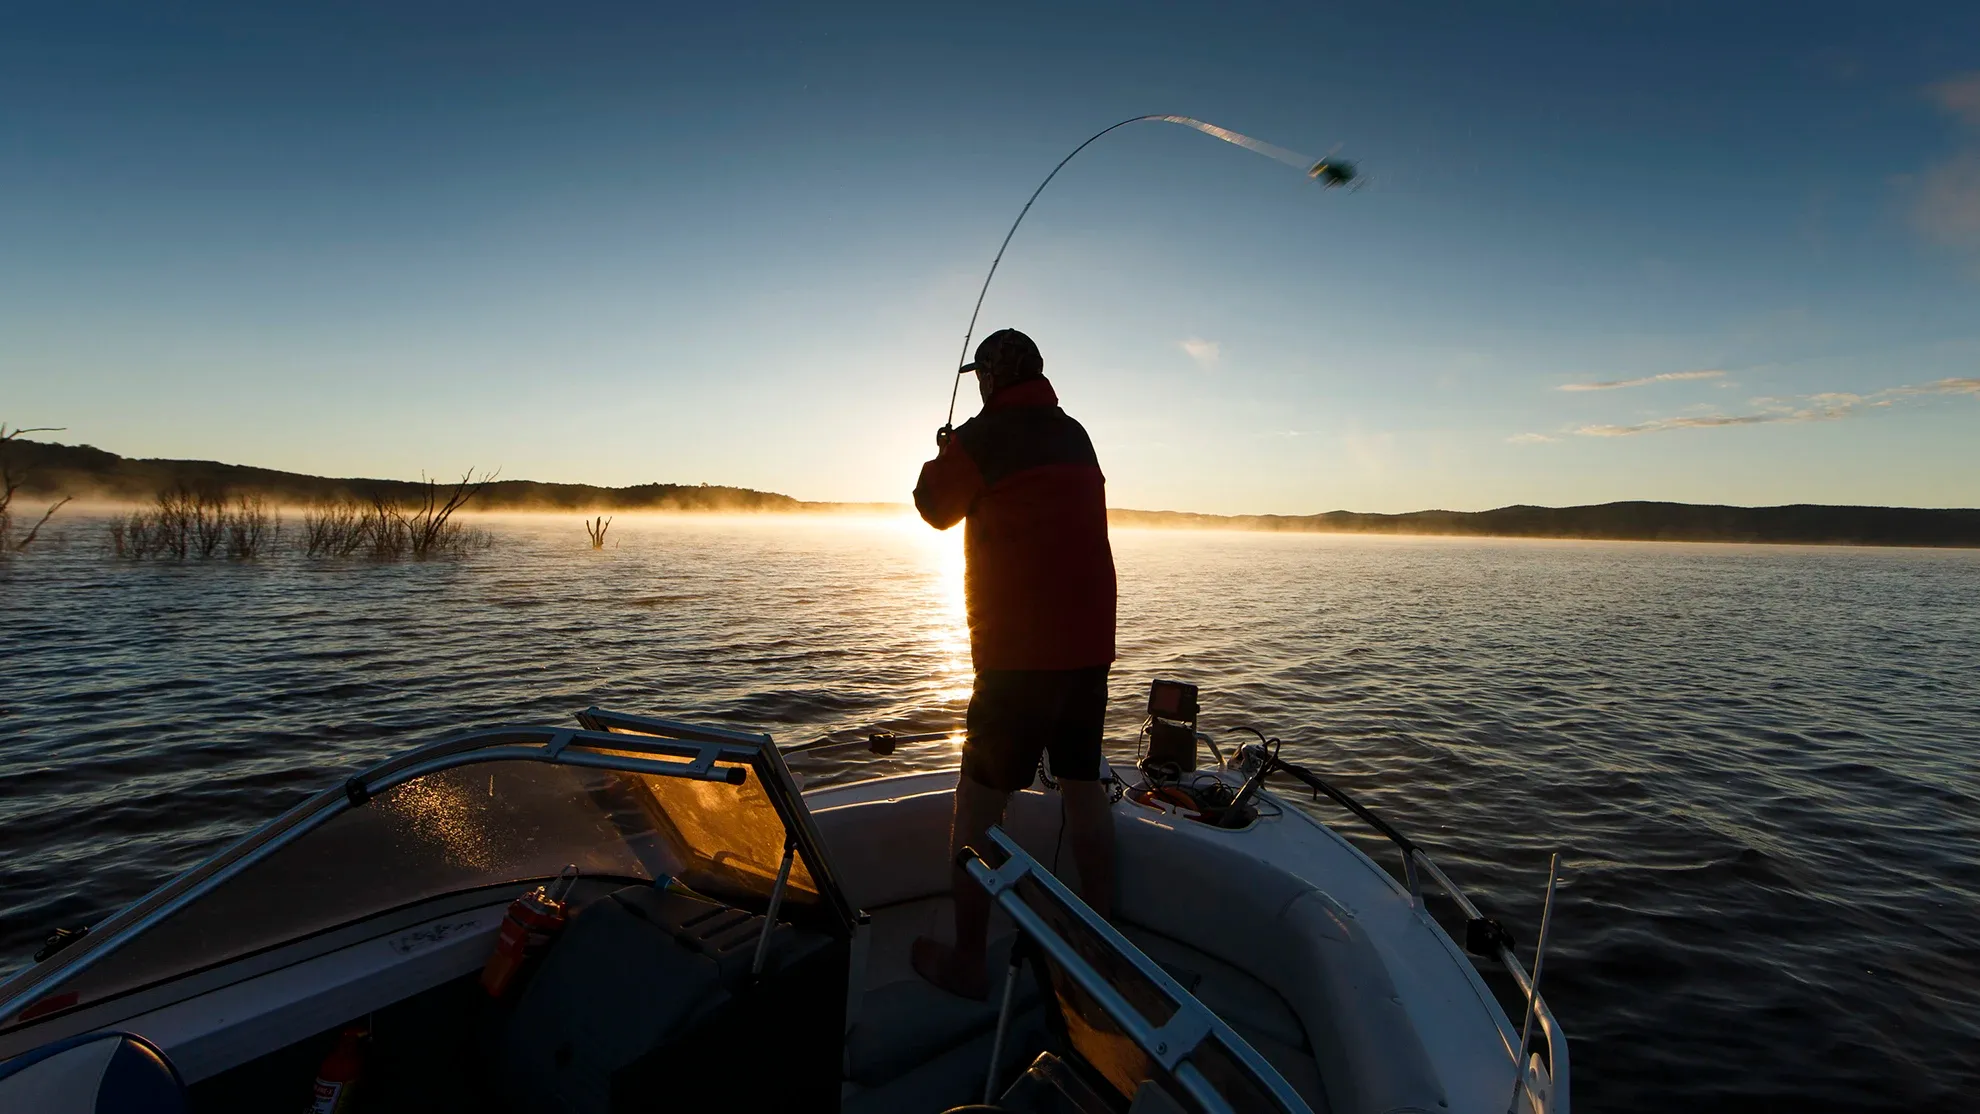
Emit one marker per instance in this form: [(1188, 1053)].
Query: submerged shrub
[(386, 530), (250, 526), (181, 524), (332, 530)]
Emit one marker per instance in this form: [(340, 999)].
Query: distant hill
[(91, 473), (1801, 524)]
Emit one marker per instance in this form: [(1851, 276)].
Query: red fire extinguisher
[(338, 1077), (533, 920)]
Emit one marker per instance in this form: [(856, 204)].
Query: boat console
[(653, 998), (663, 996)]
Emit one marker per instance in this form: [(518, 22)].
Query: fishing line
[(1330, 173), (1271, 151)]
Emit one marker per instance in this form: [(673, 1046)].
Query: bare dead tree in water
[(249, 526), (333, 530), (181, 525), (172, 521), (206, 522), (385, 529), (170, 528), (596, 529), (134, 535), (429, 525), (10, 483)]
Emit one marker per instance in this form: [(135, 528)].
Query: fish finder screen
[(1172, 700)]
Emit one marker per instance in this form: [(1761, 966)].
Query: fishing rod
[(1328, 171), (877, 741)]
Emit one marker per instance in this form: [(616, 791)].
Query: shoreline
[(104, 482)]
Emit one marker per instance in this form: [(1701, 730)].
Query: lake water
[(1761, 764)]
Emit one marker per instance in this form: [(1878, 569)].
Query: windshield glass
[(723, 840), (488, 825)]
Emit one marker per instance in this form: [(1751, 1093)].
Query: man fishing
[(1040, 587)]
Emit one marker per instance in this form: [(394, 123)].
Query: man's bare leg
[(977, 808), (961, 969), (1090, 824)]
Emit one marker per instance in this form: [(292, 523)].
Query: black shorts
[(1017, 714)]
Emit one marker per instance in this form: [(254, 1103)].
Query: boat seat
[(95, 1073), (1200, 890), (1364, 1039), (1254, 1009)]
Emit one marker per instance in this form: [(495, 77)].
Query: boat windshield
[(487, 822)]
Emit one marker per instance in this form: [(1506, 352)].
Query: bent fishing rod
[(1328, 171)]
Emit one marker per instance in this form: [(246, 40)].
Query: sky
[(1707, 253)]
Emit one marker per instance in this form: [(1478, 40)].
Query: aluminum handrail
[(1340, 796), (1416, 860), (1557, 1050), (599, 719), (540, 744), (1169, 1044)]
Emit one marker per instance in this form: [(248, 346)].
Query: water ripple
[(1760, 763)]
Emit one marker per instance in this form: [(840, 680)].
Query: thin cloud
[(1662, 424), (1960, 97), (1939, 387), (1828, 406), (1529, 439), (1946, 209), (1618, 384), (1204, 352)]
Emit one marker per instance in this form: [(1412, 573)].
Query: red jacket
[(1040, 580)]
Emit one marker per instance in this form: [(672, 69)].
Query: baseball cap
[(1009, 356)]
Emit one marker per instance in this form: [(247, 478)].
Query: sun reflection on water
[(950, 631)]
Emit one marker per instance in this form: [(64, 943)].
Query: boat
[(713, 936)]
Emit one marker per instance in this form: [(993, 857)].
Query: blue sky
[(622, 244)]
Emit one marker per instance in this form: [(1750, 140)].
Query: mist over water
[(1762, 764)]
